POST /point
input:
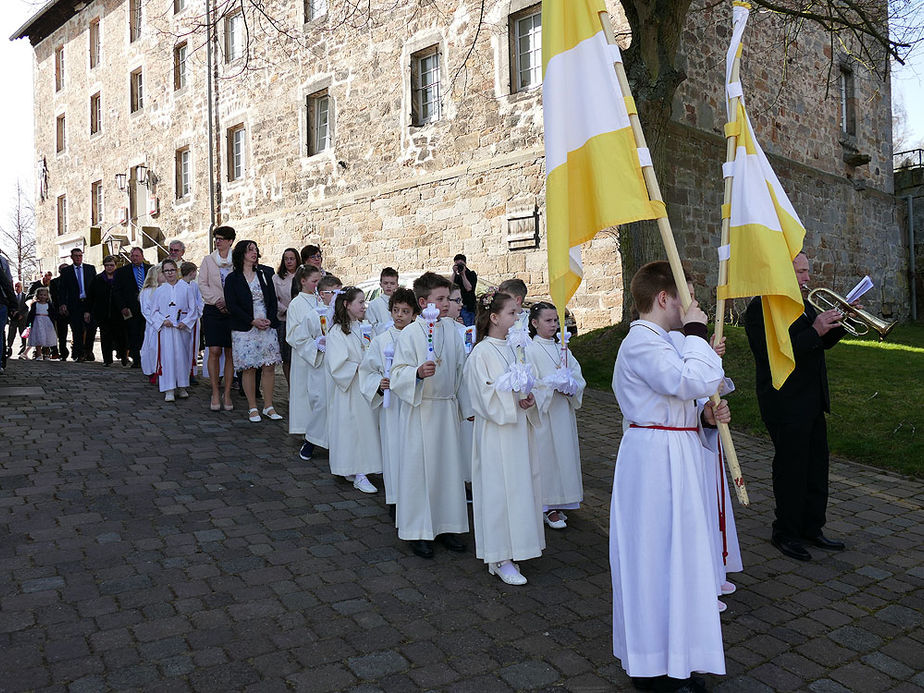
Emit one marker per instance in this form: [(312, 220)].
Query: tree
[(19, 235)]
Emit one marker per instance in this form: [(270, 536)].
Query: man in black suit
[(61, 321), (128, 281), (74, 284), (7, 306), (795, 418), (17, 323), (45, 282)]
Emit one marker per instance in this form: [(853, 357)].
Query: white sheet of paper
[(865, 285)]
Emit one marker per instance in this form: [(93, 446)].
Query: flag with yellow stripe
[(765, 233), (593, 170)]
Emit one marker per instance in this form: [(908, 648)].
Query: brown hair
[(187, 268), (534, 312), (302, 272), (402, 295), (427, 282), (329, 281), (649, 281), (388, 272), (492, 301), (341, 314), (515, 287)]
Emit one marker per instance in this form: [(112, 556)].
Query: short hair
[(388, 272), (459, 256), (76, 250), (240, 249), (61, 268), (166, 262), (178, 242), (428, 282), (328, 281), (649, 281), (188, 268), (136, 247), (110, 258), (405, 296), (308, 251), (515, 287), (226, 232)]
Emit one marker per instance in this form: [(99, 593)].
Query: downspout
[(209, 57), (911, 263)]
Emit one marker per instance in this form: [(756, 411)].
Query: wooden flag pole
[(670, 246)]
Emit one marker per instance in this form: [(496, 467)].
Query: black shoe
[(422, 548), (89, 357), (791, 548), (136, 363), (822, 542), (392, 510), (452, 542), (107, 363), (305, 452), (124, 361), (468, 494)]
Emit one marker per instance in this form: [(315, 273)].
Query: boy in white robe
[(466, 415), (307, 375), (377, 311), (189, 271), (665, 621), (173, 314), (375, 381), (517, 288), (431, 471)]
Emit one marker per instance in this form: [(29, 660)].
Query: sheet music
[(865, 285)]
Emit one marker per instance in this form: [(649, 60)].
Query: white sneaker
[(557, 523), (722, 605), (169, 396), (508, 571), (361, 483), (181, 393), (727, 588)]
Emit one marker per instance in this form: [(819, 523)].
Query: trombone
[(856, 321)]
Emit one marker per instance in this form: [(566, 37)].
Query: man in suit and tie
[(17, 324), (75, 282), (128, 282), (7, 306), (61, 321), (795, 418)]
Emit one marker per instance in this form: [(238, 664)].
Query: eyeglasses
[(316, 256), (168, 271), (327, 292), (457, 301)]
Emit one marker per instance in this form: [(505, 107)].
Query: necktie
[(79, 271), (139, 276)]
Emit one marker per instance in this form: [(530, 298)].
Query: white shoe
[(722, 605), (361, 483), (254, 415), (350, 477), (727, 588), (270, 413), (508, 571), (181, 393), (169, 396), (558, 523)]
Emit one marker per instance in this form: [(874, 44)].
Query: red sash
[(665, 428)]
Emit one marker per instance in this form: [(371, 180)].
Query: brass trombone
[(856, 321)]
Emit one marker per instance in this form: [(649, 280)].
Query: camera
[(459, 267)]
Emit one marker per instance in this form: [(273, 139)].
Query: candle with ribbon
[(389, 359), (430, 314)]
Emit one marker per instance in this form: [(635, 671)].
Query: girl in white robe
[(307, 375), (352, 429), (152, 280), (506, 496), (559, 393), (173, 314), (375, 380)]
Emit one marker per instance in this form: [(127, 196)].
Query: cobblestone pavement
[(166, 547)]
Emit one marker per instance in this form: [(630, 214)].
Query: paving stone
[(529, 675), (377, 664)]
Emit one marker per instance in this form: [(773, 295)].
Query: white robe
[(555, 437), (431, 472), (466, 427), (149, 345), (307, 375), (371, 372), (174, 303), (665, 619), (195, 334), (506, 495), (352, 431), (377, 313)]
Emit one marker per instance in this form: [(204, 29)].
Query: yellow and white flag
[(765, 233), (593, 168)]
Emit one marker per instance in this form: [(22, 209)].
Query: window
[(96, 203), (183, 181), (234, 36), (236, 152), (60, 134), (315, 9), (96, 114), (94, 43), (134, 20), (178, 6), (425, 86), (62, 215), (137, 90), (526, 49), (179, 65), (59, 68), (848, 102), (318, 106)]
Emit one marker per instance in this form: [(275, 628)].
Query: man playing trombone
[(795, 418)]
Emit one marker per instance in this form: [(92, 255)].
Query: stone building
[(406, 136)]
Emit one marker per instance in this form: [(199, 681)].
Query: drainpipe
[(209, 58), (911, 267)]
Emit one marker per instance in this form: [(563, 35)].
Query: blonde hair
[(150, 281)]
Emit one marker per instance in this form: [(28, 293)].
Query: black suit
[(107, 315), (126, 295), (239, 300), (61, 321), (84, 332), (795, 418), (7, 305), (17, 324)]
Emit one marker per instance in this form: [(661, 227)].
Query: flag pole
[(670, 246)]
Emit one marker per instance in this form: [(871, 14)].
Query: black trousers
[(62, 323), (134, 334), (800, 476), (112, 336), (84, 332)]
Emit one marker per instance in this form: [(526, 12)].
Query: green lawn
[(877, 392)]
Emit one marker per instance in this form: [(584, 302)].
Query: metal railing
[(913, 158)]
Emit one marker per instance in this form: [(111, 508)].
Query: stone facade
[(387, 192)]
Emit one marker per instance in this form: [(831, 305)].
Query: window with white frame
[(134, 20), (62, 215), (315, 9), (96, 203), (60, 134), (526, 49), (848, 101), (183, 179), (319, 122), (425, 86), (179, 65), (234, 36), (136, 89), (236, 152), (96, 113), (94, 43), (178, 6), (59, 68)]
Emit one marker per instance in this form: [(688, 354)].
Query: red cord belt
[(665, 428)]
